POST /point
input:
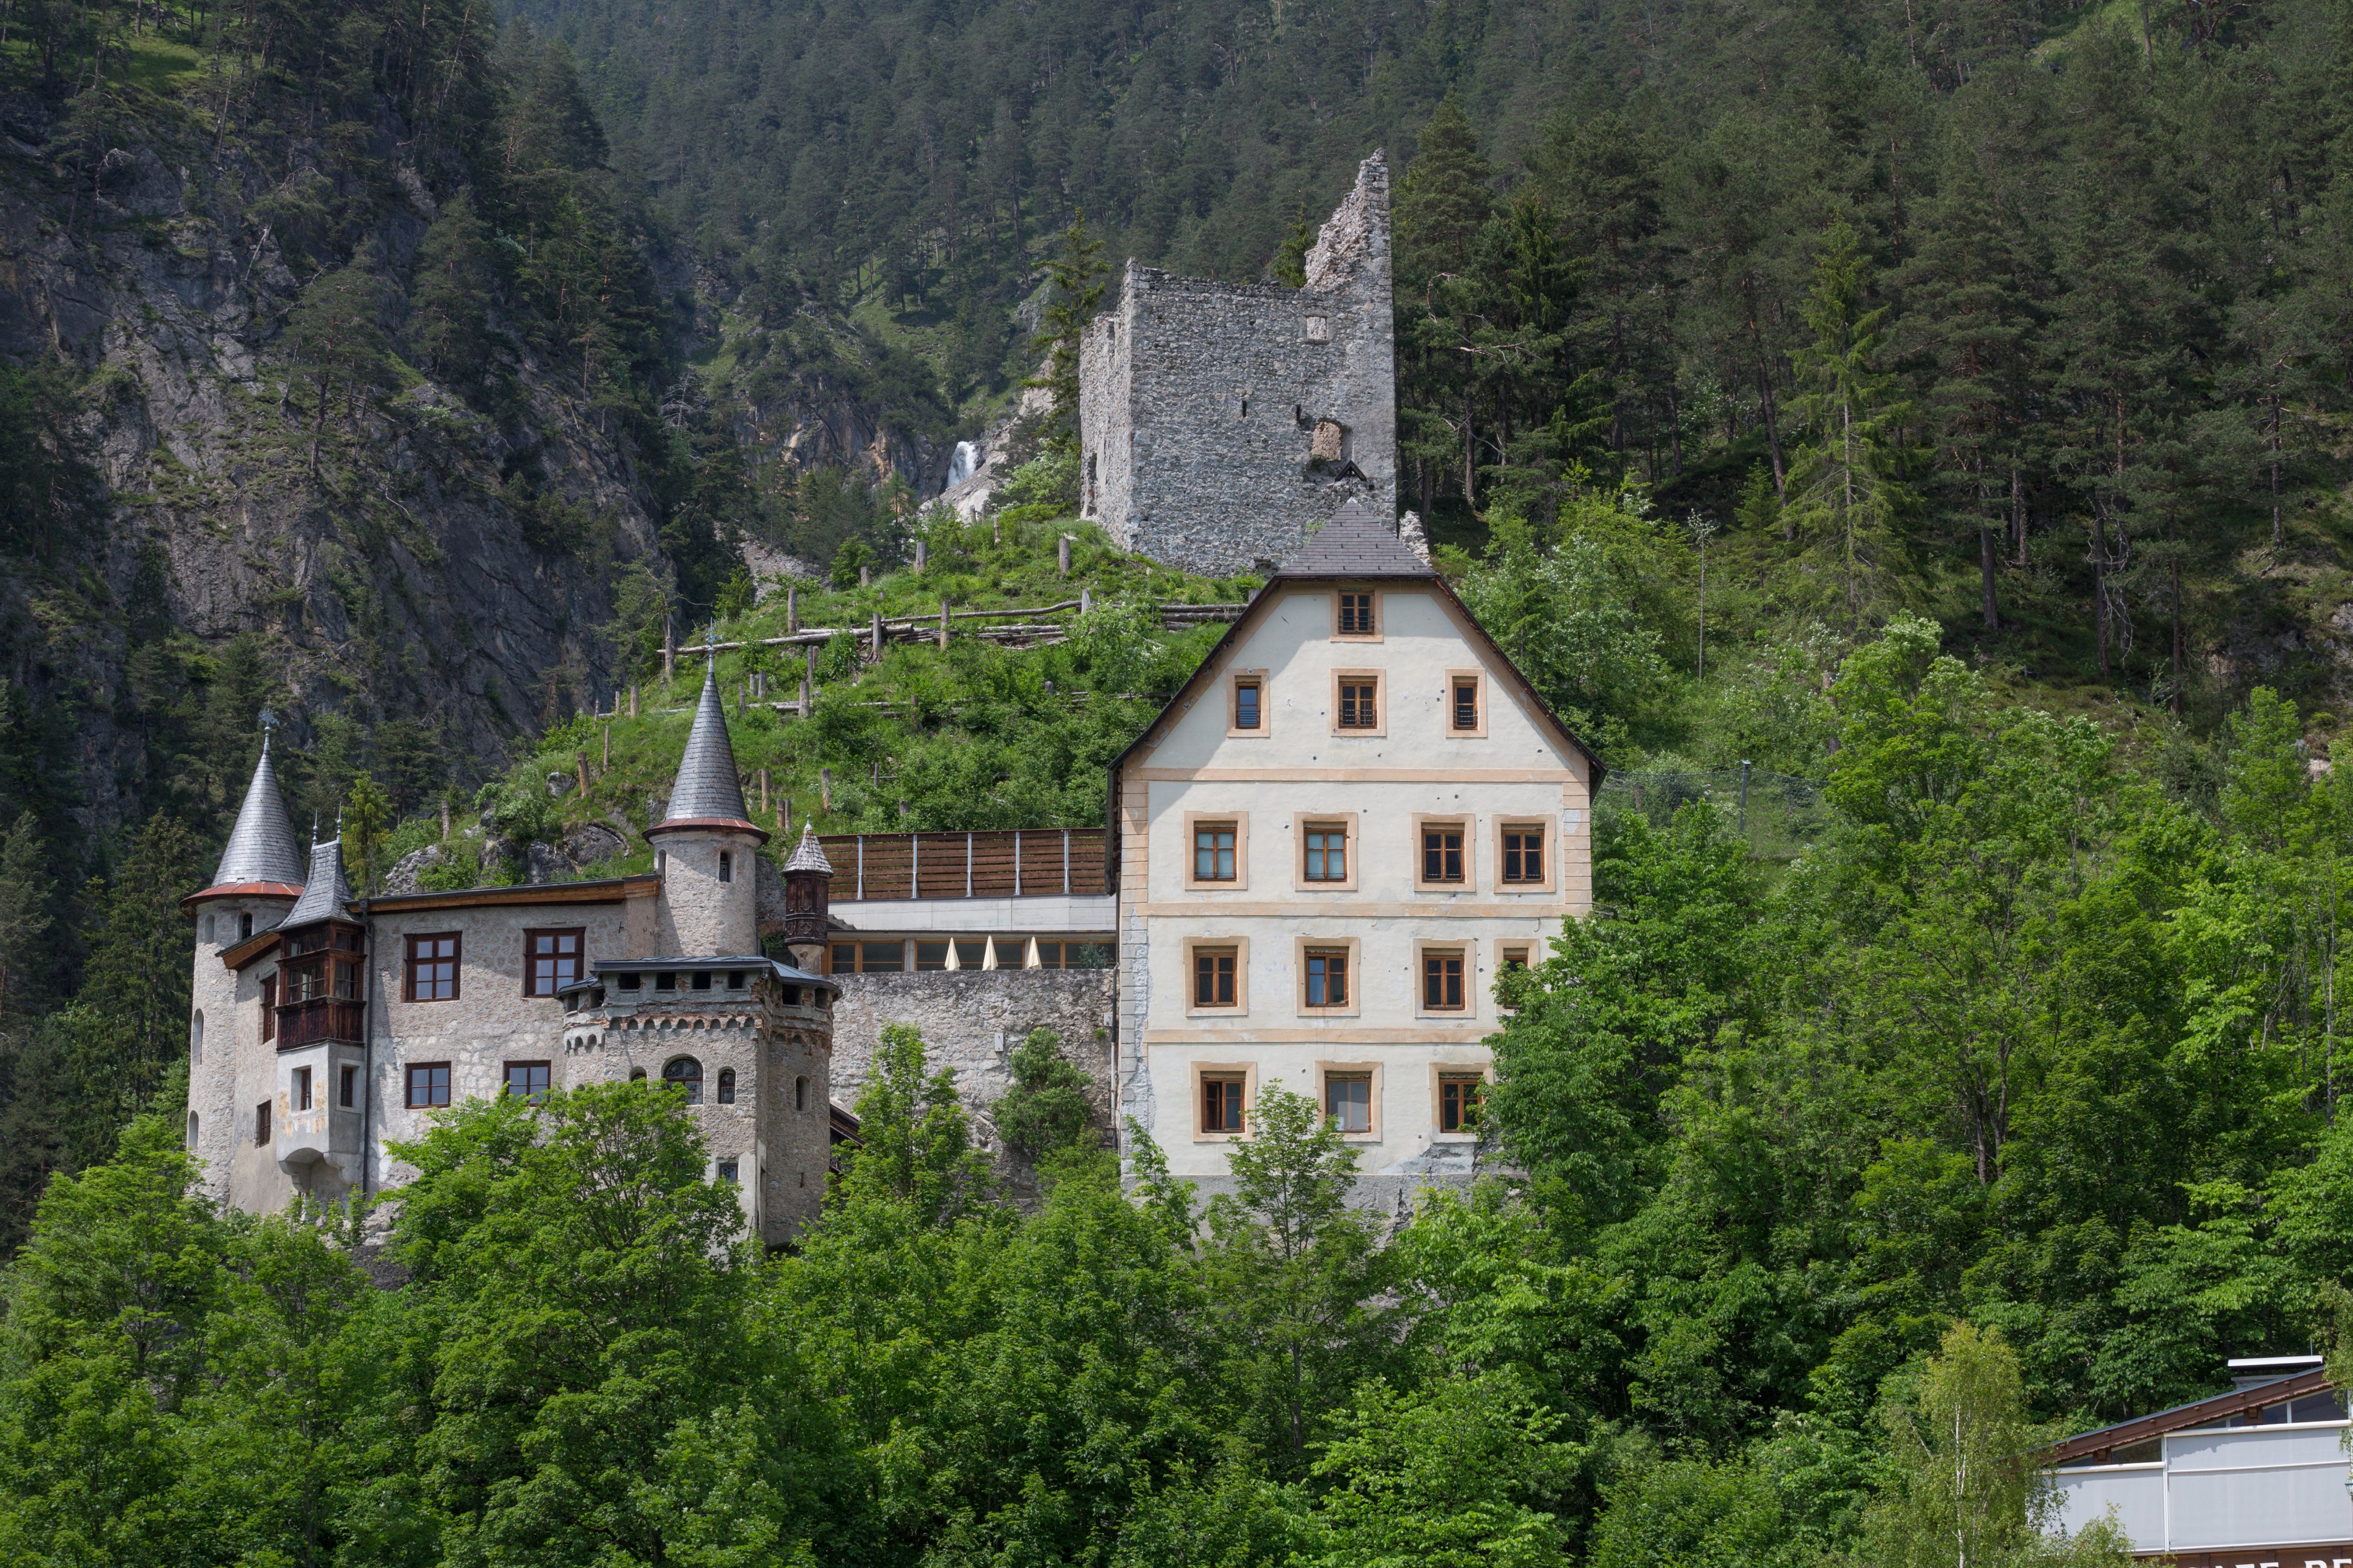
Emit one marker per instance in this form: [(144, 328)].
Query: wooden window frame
[(1247, 1073), (506, 1080), (408, 961), (1301, 824), (1241, 820), (1353, 947), (1446, 706), (1380, 613), (263, 1131), (1241, 946), (302, 1091), (1439, 1073), (531, 958), (1234, 683), (1326, 1071), (1549, 830), (1465, 950), (1531, 950), (409, 1071), (1380, 704), (268, 1007), (1425, 821)]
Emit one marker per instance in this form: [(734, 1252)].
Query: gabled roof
[(327, 895), (1360, 548), (707, 793), (260, 855), (809, 854), (1354, 543)]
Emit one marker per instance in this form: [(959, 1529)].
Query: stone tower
[(809, 885), (258, 879), (706, 843), (1219, 422)]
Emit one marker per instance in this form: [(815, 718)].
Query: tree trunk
[(1470, 455), (2017, 510), (2100, 582), (1984, 575), (1772, 428), (1674, 428), (2276, 466)]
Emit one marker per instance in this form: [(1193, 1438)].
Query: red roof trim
[(242, 891), (707, 824)]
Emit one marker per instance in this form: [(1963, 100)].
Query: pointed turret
[(327, 895), (260, 859), (707, 793), (809, 895)]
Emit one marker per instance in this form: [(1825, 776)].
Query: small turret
[(808, 892), (706, 841)]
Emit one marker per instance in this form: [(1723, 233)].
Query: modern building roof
[(809, 854), (1356, 542), (707, 792), (260, 854), (326, 895)]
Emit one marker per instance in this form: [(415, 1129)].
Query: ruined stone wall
[(972, 1020), (1219, 422)]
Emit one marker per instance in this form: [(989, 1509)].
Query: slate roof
[(707, 792), (326, 894), (809, 854), (260, 847), (1357, 543)]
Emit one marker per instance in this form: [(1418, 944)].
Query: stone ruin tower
[(1217, 421)]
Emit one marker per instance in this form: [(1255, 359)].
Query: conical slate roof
[(809, 854), (326, 893), (1357, 543), (261, 850), (707, 792)]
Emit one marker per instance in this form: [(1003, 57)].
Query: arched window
[(800, 1094), (726, 867), (192, 1128), (196, 1039), (245, 925), (726, 1086), (637, 1075), (687, 1073)]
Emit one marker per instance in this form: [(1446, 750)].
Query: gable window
[(1221, 1103), (428, 1085), (1441, 981), (1464, 710), (528, 1081), (1327, 852), (1457, 1101), (268, 1007), (1248, 695), (1348, 1100), (1213, 852), (726, 1086), (686, 1073), (261, 1125), (433, 967), (1356, 614), (1442, 853), (1214, 973), (555, 961), (1361, 703), (1524, 852), (1327, 977), (726, 866)]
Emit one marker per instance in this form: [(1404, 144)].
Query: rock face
[(398, 582), (1219, 422)]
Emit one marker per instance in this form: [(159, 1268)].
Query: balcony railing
[(316, 1022), (1009, 863)]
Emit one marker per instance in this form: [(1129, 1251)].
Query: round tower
[(257, 880), (705, 846)]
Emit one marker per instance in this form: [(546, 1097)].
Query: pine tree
[(1079, 278), (339, 342)]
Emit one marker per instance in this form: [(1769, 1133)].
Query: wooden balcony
[(320, 1021)]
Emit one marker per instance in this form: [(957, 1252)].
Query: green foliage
[(1046, 1109), (916, 1146)]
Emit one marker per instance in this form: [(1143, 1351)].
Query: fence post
[(1062, 557), (792, 609), (944, 623), (1744, 797)]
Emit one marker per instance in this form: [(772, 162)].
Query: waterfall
[(960, 467)]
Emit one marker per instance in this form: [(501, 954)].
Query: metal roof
[(327, 895), (1356, 542), (809, 854), (260, 847), (707, 793)]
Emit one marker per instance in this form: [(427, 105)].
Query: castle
[(1219, 423)]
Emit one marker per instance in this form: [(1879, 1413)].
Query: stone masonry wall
[(1219, 422), (972, 1020)]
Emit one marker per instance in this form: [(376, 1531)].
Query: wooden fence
[(1008, 863)]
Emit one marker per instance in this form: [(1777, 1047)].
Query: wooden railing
[(1009, 863), (321, 1020)]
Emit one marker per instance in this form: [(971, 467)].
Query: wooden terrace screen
[(1008, 863)]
